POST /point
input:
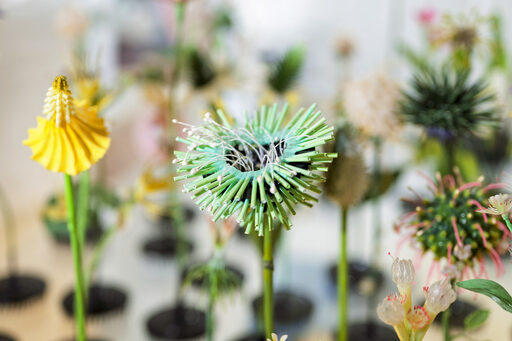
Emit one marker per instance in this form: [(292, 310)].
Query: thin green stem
[(268, 290), (507, 221), (97, 253), (10, 233), (343, 279), (210, 318), (445, 320), (82, 219), (77, 260)]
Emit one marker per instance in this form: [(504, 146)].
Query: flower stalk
[(268, 283), (343, 279), (77, 261)]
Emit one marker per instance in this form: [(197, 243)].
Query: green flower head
[(257, 171)]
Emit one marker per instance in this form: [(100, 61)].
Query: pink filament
[(430, 182), (422, 224), (482, 234), (405, 218), (402, 241), (500, 269), (450, 179), (506, 232), (450, 254), (430, 271), (469, 185), (440, 182), (480, 207), (494, 186), (418, 260), (483, 272), (454, 224)]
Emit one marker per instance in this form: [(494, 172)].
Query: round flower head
[(347, 179), (439, 296), (447, 225), (258, 170), (447, 104), (68, 139), (371, 105), (402, 272), (499, 204), (418, 317), (391, 310)]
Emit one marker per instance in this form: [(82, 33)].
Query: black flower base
[(363, 278), (103, 300), (164, 247), (4, 337), (459, 311), (199, 282), (370, 331), (253, 337), (177, 323), (20, 289), (289, 308)]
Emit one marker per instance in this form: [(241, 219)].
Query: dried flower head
[(439, 296), (371, 105), (402, 272), (259, 170), (345, 47), (418, 317), (447, 104), (447, 225), (391, 310), (499, 204), (68, 139), (347, 178)]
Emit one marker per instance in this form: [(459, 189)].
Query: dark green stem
[(449, 146), (507, 221), (10, 233), (343, 279), (446, 325), (77, 261), (268, 290)]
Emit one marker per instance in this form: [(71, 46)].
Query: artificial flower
[(371, 105), (499, 204), (258, 170), (68, 139)]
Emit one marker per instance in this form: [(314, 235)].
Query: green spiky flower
[(257, 171), (453, 225), (447, 104)]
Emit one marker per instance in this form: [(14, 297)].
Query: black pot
[(289, 308), (102, 300), (4, 337), (166, 221), (60, 233), (200, 282), (164, 247), (369, 331), (359, 272), (19, 289), (177, 323), (252, 337), (459, 311)]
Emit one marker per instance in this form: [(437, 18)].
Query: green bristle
[(263, 195), (223, 118), (254, 193), (280, 118), (243, 211), (241, 191)]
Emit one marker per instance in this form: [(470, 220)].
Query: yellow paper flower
[(152, 189), (91, 94), (67, 140)]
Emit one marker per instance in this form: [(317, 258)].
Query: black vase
[(20, 289), (177, 323), (103, 300)]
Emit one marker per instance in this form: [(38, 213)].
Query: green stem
[(507, 221), (77, 260), (82, 219), (180, 18), (446, 325), (210, 323), (343, 279), (97, 253), (268, 290), (10, 236)]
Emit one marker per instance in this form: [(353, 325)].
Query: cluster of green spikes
[(257, 171)]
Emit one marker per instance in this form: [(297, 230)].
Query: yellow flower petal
[(67, 141)]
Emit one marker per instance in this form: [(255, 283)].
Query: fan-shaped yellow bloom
[(68, 139)]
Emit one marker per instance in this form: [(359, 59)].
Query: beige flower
[(371, 105), (439, 296), (276, 338), (499, 204), (391, 310)]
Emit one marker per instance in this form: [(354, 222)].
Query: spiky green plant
[(200, 68), (258, 171), (447, 104), (286, 70)]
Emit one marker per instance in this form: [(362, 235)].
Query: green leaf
[(476, 319), (490, 289)]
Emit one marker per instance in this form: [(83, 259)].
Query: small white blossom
[(439, 296), (402, 272), (462, 253), (499, 204), (391, 310)]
